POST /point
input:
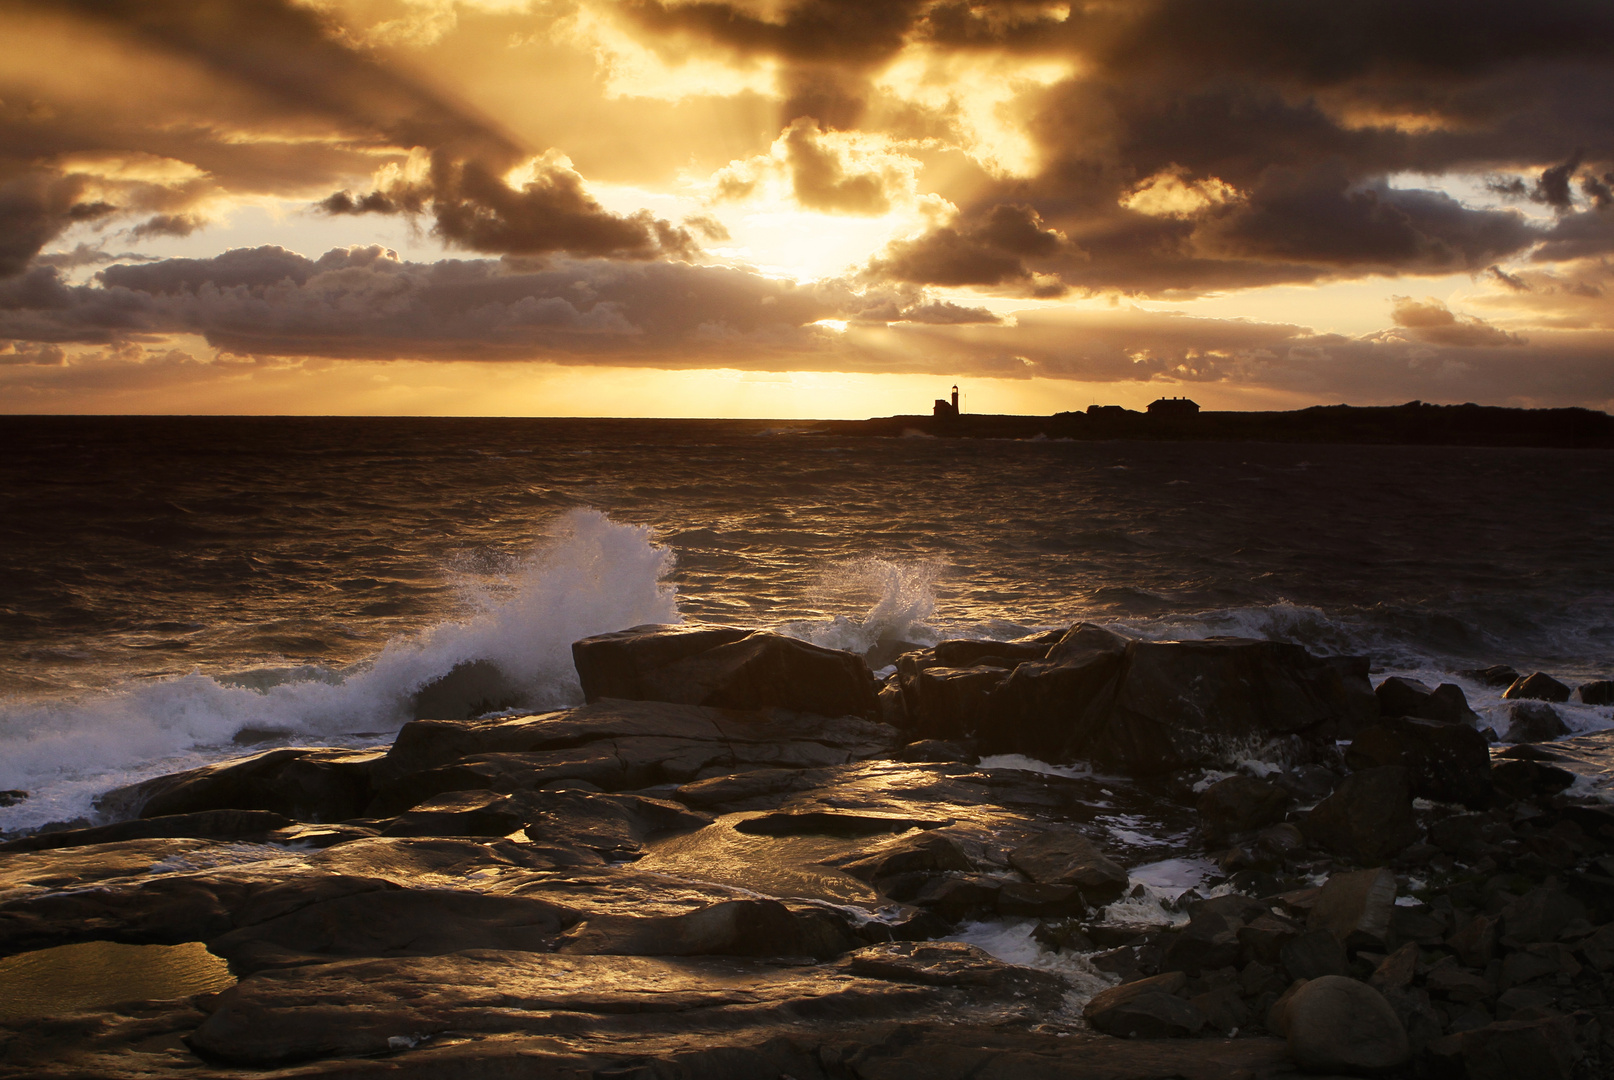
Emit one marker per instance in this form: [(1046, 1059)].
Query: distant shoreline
[(1412, 424)]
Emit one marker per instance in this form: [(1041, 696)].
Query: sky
[(802, 208)]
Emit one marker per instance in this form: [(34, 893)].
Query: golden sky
[(799, 208)]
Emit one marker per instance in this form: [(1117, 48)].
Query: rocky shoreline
[(745, 856)]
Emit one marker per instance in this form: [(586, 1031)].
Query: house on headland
[(1173, 407), (946, 410), (1106, 410)]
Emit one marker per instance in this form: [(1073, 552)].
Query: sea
[(173, 588)]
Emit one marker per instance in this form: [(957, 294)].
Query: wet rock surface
[(699, 873)]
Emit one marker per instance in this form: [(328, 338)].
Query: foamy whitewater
[(171, 584)]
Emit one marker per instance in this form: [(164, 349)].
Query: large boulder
[(1369, 818), (1064, 857), (1401, 696), (949, 702), (1048, 709), (1448, 762), (1447, 703), (1497, 676), (310, 784), (1239, 804), (1598, 692), (1212, 937), (1182, 703), (1534, 721), (1529, 779), (1145, 1009), (1150, 707), (1338, 1025), (724, 667), (1357, 904), (1015, 696), (1538, 686)]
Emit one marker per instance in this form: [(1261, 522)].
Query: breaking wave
[(590, 576)]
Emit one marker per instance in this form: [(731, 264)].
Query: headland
[(1415, 423)]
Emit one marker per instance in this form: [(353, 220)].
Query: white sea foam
[(900, 597), (1170, 878), (1011, 941), (1031, 764), (592, 575)]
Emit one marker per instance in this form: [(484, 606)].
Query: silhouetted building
[(1175, 406), (944, 409), (1106, 411)]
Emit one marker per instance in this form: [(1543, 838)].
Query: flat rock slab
[(172, 891), (147, 1041), (360, 1007), (654, 742)]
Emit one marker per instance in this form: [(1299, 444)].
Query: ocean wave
[(592, 575)]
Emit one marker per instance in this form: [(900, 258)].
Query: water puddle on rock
[(71, 978)]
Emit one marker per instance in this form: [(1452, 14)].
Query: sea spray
[(899, 597), (594, 576), (590, 576)]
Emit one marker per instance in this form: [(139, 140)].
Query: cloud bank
[(608, 173)]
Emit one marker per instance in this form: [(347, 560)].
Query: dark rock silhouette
[(1416, 423), (717, 667)]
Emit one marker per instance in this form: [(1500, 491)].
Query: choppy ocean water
[(166, 583)]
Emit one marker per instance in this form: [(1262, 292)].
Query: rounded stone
[(1339, 1025)]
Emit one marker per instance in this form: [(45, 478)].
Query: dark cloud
[(1598, 189), (1509, 281), (1327, 44), (474, 208), (1577, 235), (168, 225), (34, 209), (1321, 218), (364, 303), (1294, 226), (279, 69), (1305, 109), (991, 251), (1552, 187)]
